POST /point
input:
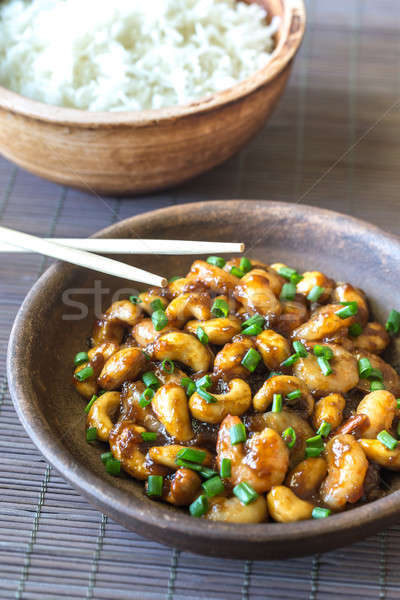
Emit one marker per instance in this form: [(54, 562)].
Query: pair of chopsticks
[(80, 252)]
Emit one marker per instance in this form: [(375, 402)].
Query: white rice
[(129, 54)]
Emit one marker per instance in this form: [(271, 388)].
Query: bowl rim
[(293, 26), (150, 521)]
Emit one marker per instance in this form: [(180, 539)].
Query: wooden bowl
[(138, 151), (43, 344)]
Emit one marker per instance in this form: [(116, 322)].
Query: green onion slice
[(237, 272), (205, 382), (189, 385), (254, 320), (392, 325), (349, 310), (209, 398), (324, 429), (289, 435), (288, 273), (90, 404), (213, 486), (154, 485), (252, 330), (199, 507), (245, 493), (245, 265), (315, 441), (81, 358), (355, 330), (364, 367), (226, 468), (290, 361), (157, 305), (220, 308), (315, 294), (150, 380), (135, 299), (300, 349), (192, 455), (288, 291), (324, 365), (376, 385), (84, 373), (320, 513), (387, 440), (146, 398), (91, 434), (237, 434), (202, 336), (294, 395), (277, 403), (217, 261), (168, 366), (159, 319), (149, 436), (106, 456), (313, 451), (251, 360), (325, 351), (113, 466)]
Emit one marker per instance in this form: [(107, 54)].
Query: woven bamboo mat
[(333, 142)]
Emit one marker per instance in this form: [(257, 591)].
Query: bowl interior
[(58, 315)]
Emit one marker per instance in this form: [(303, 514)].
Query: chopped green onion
[(287, 272), (376, 374), (252, 330), (355, 330), (251, 360), (291, 434), (213, 487), (387, 440), (288, 291), (393, 323), (274, 374), (254, 320), (364, 367), (90, 404), (324, 351), (204, 471), (189, 385), (205, 382), (146, 398), (192, 455), (296, 277), (277, 403), (294, 395), (313, 451), (146, 355), (324, 365), (290, 361), (113, 466), (91, 434), (376, 385), (245, 265), (174, 278), (245, 493), (398, 403), (207, 473), (315, 294), (300, 349), (149, 436), (81, 358), (237, 434), (316, 441), (84, 373), (226, 468), (150, 380), (199, 507), (324, 429), (398, 428), (135, 300), (159, 319), (168, 366), (106, 456), (206, 396), (220, 308), (154, 485), (349, 310), (217, 261), (237, 272), (157, 305), (320, 513), (202, 336)]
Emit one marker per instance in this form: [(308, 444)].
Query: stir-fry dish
[(245, 392)]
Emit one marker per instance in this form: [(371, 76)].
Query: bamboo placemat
[(333, 142)]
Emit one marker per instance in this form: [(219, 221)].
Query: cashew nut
[(275, 281), (283, 384), (167, 455), (184, 486), (262, 461), (212, 277), (345, 292), (373, 338), (323, 323), (380, 454), (380, 407), (88, 387), (231, 510), (147, 298), (228, 361), (183, 347), (391, 379), (312, 279), (219, 331), (124, 364), (123, 311), (329, 409), (190, 305), (106, 350), (256, 295), (171, 407), (285, 507), (144, 332), (305, 479), (124, 440), (347, 467), (101, 413), (133, 411), (344, 374), (294, 314), (105, 330), (235, 402), (273, 347)]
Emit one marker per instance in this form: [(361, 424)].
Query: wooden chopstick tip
[(242, 247)]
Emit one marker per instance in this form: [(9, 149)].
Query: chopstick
[(138, 246), (79, 257)]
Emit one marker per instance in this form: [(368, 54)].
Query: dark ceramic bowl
[(43, 344)]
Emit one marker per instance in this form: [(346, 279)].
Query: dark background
[(333, 142)]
